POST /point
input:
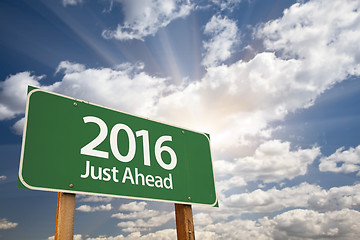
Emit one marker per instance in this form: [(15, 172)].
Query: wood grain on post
[(184, 222), (65, 211)]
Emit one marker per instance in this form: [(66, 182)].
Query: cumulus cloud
[(202, 219), (227, 4), (342, 161), (291, 225), (2, 178), (120, 86), (145, 224), (234, 229), (273, 199), (327, 208), (146, 213), (71, 2), (144, 18), (328, 28), (133, 206), (18, 127), (273, 161), (13, 93), (93, 198), (69, 67), (237, 102), (75, 237), (335, 198), (309, 224), (87, 208), (223, 37), (304, 195), (140, 218), (294, 224), (166, 234), (5, 224)]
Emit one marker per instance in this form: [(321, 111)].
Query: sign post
[(65, 211), (76, 147), (184, 222)]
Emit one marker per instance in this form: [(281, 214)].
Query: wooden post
[(65, 211), (184, 222)]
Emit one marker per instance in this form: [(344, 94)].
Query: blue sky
[(275, 84)]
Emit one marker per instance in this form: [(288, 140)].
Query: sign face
[(78, 147)]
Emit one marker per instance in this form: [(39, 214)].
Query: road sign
[(74, 146)]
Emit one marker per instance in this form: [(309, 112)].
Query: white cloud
[(69, 67), (166, 234), (87, 208), (2, 178), (5, 224), (238, 101), (234, 230), (144, 18), (335, 198), (112, 87), (142, 219), (292, 225), (13, 94), (304, 195), (234, 181), (71, 2), (145, 225), (92, 198), (75, 237), (202, 219), (18, 127), (309, 224), (133, 206), (320, 34), (342, 161), (146, 213), (273, 199), (86, 84), (273, 161), (227, 4), (223, 37)]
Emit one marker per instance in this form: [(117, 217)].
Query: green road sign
[(78, 147)]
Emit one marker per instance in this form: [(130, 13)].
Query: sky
[(276, 84)]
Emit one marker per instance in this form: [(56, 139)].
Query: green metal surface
[(55, 133)]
